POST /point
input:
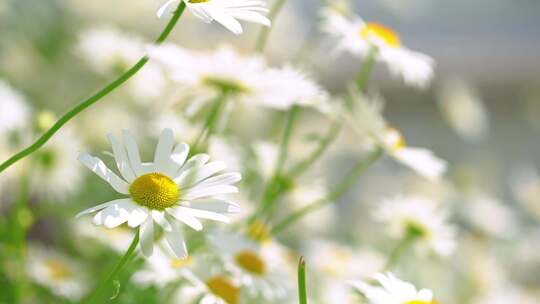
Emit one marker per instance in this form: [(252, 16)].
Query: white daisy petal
[(133, 153), (178, 158), (96, 208), (163, 150), (186, 218), (215, 205), (97, 166), (159, 217), (175, 239), (147, 237), (115, 214), (202, 191), (222, 179), (203, 214), (137, 217), (161, 11), (197, 174), (121, 158)]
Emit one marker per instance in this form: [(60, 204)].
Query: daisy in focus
[(225, 12), (261, 268), (207, 76), (366, 39), (418, 219), (169, 191), (57, 272), (367, 120), (393, 291)]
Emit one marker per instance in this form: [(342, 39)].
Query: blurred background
[(481, 114)]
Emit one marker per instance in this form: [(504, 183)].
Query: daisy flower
[(15, 112), (168, 191), (361, 38), (420, 219), (57, 272), (247, 79), (225, 12), (367, 120), (393, 291), (260, 268)]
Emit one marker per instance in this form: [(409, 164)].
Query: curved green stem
[(265, 31), (211, 120), (93, 99), (367, 67), (401, 247), (341, 189), (103, 284)]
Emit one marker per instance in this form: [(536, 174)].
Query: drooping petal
[(159, 217), (186, 218), (175, 239), (115, 214), (204, 214), (214, 205), (203, 191), (147, 237), (98, 166)]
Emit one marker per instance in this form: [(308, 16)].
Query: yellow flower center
[(223, 288), (226, 84), (416, 229), (181, 263), (394, 139), (251, 262), (155, 191), (258, 231), (58, 269), (385, 34)]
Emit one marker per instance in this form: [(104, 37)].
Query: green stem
[(340, 189), (211, 120), (103, 284), (272, 189), (365, 70), (93, 99), (265, 31), (401, 247), (21, 221), (302, 293)]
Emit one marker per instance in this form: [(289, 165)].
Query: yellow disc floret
[(251, 262), (385, 34), (155, 191), (223, 288), (58, 269)]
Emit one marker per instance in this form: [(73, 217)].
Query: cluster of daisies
[(174, 204)]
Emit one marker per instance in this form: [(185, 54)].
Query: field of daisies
[(264, 151)]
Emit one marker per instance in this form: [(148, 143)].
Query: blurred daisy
[(118, 239), (209, 284), (418, 219), (15, 112), (367, 120), (247, 79), (225, 12), (109, 50), (60, 274), (525, 184), (54, 172), (463, 109), (168, 191), (393, 291), (162, 268), (501, 222), (361, 38), (260, 268)]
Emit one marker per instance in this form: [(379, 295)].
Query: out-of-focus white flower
[(15, 113), (393, 291), (260, 268), (418, 218), (506, 294), (59, 273), (108, 50), (360, 39), (162, 268), (247, 79), (168, 191), (117, 238), (225, 12), (463, 110), (209, 284), (490, 215), (367, 120), (54, 172), (525, 183)]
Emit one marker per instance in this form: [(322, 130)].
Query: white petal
[(97, 166), (209, 215), (186, 218), (222, 179), (194, 162), (133, 153), (96, 208), (178, 158), (137, 217), (252, 17), (121, 158), (423, 161), (197, 174), (163, 150), (203, 191), (228, 22), (215, 205), (159, 217), (164, 8), (175, 239), (115, 214), (147, 237)]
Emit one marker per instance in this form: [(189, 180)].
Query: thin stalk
[(103, 284), (365, 70), (211, 120), (340, 189), (302, 292), (401, 247), (262, 39), (21, 225), (272, 191), (94, 98)]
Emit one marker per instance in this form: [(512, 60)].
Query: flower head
[(393, 291), (362, 38), (418, 218), (168, 191), (225, 12)]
